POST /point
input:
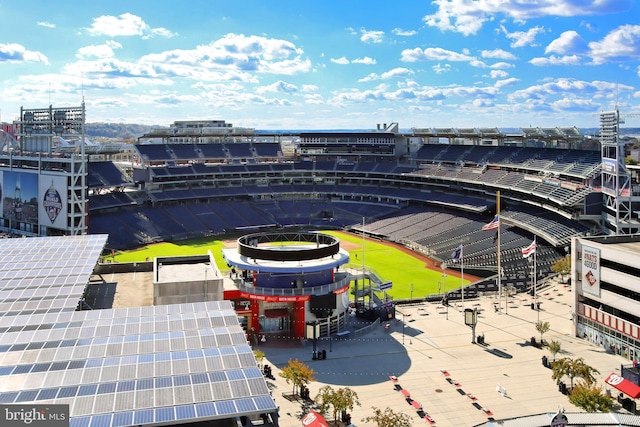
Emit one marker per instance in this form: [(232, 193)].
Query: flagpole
[(462, 275), (535, 277), (498, 254)]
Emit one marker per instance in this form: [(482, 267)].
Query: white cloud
[(105, 50), (397, 72), (309, 88), (522, 38), (314, 99), (126, 24), (366, 60), (15, 53), (501, 66), (440, 69), (498, 74), (404, 33), (498, 54), (232, 53), (621, 44), (279, 86), (371, 36), (394, 73), (342, 61), (369, 78), (432, 54), (556, 60), (46, 24), (569, 87), (468, 17), (477, 63), (506, 82), (161, 32), (569, 42)]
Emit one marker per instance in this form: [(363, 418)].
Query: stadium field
[(412, 275)]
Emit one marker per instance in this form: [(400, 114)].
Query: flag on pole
[(529, 250), (492, 225), (456, 255)]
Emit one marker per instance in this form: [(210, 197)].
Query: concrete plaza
[(432, 356)]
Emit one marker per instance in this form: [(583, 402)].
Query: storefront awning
[(275, 313), (314, 419), (627, 387)]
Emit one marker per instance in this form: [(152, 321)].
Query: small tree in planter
[(573, 368), (554, 348), (562, 267), (590, 397), (340, 400), (259, 355), (542, 327), (388, 418), (297, 373)]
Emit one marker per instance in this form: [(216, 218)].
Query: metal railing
[(344, 280)]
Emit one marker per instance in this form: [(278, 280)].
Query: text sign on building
[(590, 270)]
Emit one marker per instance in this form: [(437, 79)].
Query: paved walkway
[(433, 359)]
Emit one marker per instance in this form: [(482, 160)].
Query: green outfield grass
[(389, 263)]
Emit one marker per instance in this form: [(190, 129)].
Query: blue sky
[(325, 64)]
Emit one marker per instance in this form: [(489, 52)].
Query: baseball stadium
[(248, 237)]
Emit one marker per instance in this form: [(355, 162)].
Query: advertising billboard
[(590, 274), (20, 197), (52, 201), (30, 200)]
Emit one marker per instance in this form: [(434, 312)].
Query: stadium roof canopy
[(160, 365)]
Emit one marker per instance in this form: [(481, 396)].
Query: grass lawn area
[(403, 270), (400, 268)]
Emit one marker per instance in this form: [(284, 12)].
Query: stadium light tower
[(616, 181)]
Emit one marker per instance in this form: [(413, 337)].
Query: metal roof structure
[(47, 275), (152, 365)]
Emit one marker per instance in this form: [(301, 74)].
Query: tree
[(259, 355), (542, 327), (562, 267), (388, 418), (573, 368), (297, 373), (589, 397), (341, 400), (554, 348)]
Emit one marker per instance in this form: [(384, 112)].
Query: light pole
[(410, 293), (444, 281), (402, 328)]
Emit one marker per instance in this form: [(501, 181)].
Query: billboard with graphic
[(590, 270), (52, 201), (30, 200), (20, 197)]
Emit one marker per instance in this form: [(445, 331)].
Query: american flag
[(492, 225), (529, 250)]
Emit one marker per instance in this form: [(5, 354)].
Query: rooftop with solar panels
[(147, 366)]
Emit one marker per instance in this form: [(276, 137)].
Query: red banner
[(275, 298), (627, 387), (314, 419)]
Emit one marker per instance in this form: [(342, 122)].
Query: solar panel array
[(46, 275), (119, 367)]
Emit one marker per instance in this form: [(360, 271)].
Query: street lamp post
[(411, 293), (444, 281)]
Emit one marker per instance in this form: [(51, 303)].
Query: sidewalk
[(456, 382)]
